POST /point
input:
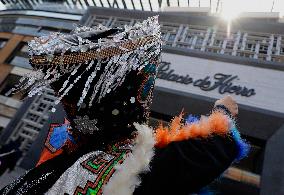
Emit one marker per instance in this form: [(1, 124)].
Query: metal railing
[(145, 5), (254, 45)]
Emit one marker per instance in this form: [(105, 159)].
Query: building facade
[(17, 28), (201, 62), (144, 5)]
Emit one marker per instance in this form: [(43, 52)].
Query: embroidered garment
[(197, 161), (91, 173), (119, 174), (59, 135)]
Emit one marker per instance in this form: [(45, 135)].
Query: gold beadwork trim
[(81, 57)]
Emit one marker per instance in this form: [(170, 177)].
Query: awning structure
[(148, 5)]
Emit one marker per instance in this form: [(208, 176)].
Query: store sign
[(223, 83), (249, 85)]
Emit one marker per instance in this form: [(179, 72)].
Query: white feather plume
[(126, 177)]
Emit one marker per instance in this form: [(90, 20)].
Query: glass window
[(20, 57), (172, 37), (282, 50), (2, 43), (42, 121), (218, 42), (10, 82), (263, 49), (47, 30), (230, 44), (32, 117), (41, 107)]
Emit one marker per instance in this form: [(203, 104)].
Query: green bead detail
[(95, 191), (94, 166)]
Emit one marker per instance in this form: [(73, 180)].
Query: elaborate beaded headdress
[(124, 50), (103, 76)]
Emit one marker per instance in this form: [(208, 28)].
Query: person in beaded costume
[(104, 79)]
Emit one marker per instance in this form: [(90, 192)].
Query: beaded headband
[(120, 50)]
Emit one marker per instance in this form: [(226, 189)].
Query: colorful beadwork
[(58, 135), (146, 89), (104, 169), (191, 119), (121, 52), (89, 173), (243, 146)]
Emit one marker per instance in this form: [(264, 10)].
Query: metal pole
[(272, 6), (217, 7)]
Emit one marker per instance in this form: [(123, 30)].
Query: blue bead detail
[(150, 69), (243, 146), (59, 136), (191, 119), (147, 88), (206, 191)]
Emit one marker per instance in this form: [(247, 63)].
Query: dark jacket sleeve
[(187, 166), (39, 179)]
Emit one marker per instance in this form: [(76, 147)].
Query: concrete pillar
[(205, 40), (236, 44), (269, 49), (244, 41), (213, 36), (256, 51), (193, 42), (178, 35), (183, 36), (278, 45), (272, 178), (224, 45)]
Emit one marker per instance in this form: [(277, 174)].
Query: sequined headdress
[(98, 73), (124, 50)]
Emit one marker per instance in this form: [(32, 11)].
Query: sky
[(253, 6), (229, 6), (242, 5)]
